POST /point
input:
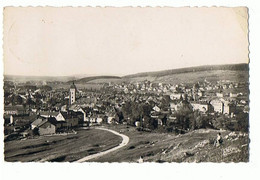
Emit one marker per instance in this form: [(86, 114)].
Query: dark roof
[(13, 108), (73, 86), (48, 113), (70, 114), (39, 122), (53, 121)]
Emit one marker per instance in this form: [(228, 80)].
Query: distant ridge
[(232, 67), (22, 78), (87, 79)]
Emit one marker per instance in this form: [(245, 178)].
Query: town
[(32, 109)]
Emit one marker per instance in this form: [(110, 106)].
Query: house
[(36, 123), (218, 105), (223, 107), (47, 114), (78, 109), (96, 119), (172, 118), (15, 110), (201, 106), (46, 128), (156, 108), (201, 93), (70, 119), (155, 114), (160, 122), (110, 117), (219, 94), (233, 95), (57, 115), (173, 106), (229, 108), (175, 96)]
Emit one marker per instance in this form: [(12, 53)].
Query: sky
[(120, 41)]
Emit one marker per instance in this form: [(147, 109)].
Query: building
[(220, 95), (229, 108), (36, 123), (201, 106), (173, 106), (72, 95), (223, 107), (70, 119), (176, 96), (15, 110), (46, 128), (47, 114), (218, 105)]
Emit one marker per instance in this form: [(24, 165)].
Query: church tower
[(73, 91)]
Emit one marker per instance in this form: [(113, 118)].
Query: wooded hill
[(231, 67)]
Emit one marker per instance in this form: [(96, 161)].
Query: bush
[(35, 131)]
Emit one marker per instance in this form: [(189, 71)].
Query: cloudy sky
[(120, 41)]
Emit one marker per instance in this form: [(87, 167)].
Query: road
[(122, 144)]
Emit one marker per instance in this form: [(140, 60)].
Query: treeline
[(185, 119)]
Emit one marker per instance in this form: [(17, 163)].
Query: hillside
[(94, 78), (195, 146), (231, 72), (230, 67), (237, 72), (24, 79)]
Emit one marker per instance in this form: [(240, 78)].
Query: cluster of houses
[(75, 108), (204, 97)]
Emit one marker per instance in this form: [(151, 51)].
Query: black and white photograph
[(126, 84)]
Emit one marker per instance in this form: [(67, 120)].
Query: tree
[(219, 122), (165, 103), (145, 109), (184, 114), (149, 123), (35, 131), (16, 99)]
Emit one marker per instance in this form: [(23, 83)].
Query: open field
[(196, 146), (187, 77), (193, 77), (61, 148)]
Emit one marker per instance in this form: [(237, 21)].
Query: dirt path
[(122, 144)]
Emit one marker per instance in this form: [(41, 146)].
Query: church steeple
[(73, 91)]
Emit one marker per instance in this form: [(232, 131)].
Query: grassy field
[(193, 77), (196, 146), (188, 77), (60, 148)]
